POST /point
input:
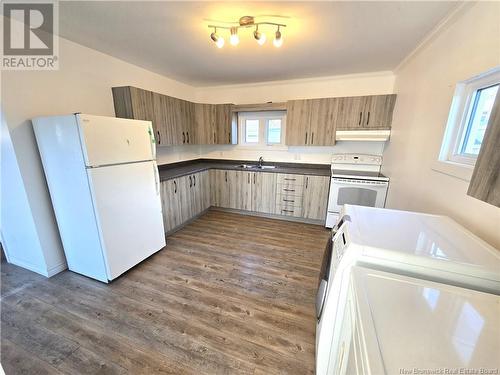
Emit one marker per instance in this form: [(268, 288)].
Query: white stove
[(356, 179)]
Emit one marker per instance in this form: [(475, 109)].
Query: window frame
[(263, 117), (451, 160)]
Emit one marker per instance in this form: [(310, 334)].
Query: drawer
[(290, 179), (288, 210), (289, 200), (285, 189)]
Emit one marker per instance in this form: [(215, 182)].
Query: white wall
[(465, 46), (82, 84)]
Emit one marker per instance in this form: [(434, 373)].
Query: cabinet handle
[(290, 179), (226, 176), (368, 120), (183, 137), (289, 189), (187, 137), (175, 187), (287, 211), (229, 138), (306, 139), (307, 181), (360, 114), (194, 180), (312, 138), (159, 137), (214, 138), (288, 200), (254, 177), (249, 178), (190, 182)]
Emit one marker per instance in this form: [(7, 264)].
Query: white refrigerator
[(105, 190)]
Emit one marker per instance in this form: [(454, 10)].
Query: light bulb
[(234, 39), (278, 40), (220, 42), (259, 37)]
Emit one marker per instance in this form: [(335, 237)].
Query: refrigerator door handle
[(157, 179)]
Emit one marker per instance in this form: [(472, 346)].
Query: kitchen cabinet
[(175, 121), (171, 202), (314, 122), (184, 198), (311, 122), (223, 124), (315, 197), (365, 112), (263, 192), (298, 113), (220, 181)]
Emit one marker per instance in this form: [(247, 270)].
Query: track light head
[(278, 40), (259, 37), (218, 40), (234, 39)]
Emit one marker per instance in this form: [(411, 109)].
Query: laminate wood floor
[(230, 294)]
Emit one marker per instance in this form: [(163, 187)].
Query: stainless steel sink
[(267, 167), (248, 166)]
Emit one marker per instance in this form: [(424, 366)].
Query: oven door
[(358, 192)]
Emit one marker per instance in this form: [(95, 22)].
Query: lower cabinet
[(184, 198), (315, 197), (293, 195)]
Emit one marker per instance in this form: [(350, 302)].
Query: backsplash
[(317, 155)]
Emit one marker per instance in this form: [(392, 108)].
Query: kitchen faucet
[(261, 161)]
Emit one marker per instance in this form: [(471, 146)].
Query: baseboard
[(28, 266), (270, 216), (54, 270)]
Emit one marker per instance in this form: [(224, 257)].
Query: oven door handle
[(342, 181), (320, 297)]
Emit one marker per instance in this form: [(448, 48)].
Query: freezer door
[(129, 214), (109, 140)]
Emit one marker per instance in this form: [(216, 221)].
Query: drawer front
[(286, 189), (289, 200), (288, 210), (290, 179)]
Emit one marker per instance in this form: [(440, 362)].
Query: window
[(467, 121), (261, 128)]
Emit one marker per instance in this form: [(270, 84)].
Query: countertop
[(175, 170)]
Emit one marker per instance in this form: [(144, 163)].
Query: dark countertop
[(183, 168)]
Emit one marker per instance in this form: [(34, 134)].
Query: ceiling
[(321, 38)]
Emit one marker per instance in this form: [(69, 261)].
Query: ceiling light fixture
[(218, 40), (259, 37), (278, 40), (234, 39), (245, 22)]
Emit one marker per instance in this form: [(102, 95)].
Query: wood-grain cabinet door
[(349, 114), (315, 198), (205, 123), (240, 187), (322, 123), (185, 198), (195, 185), (171, 202), (223, 123), (205, 188), (161, 121), (298, 119), (377, 112), (263, 192), (222, 195)]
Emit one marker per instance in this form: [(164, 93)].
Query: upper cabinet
[(175, 121), (314, 122)]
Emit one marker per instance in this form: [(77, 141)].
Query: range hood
[(363, 135)]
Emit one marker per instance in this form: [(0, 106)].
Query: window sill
[(461, 171), (262, 147)]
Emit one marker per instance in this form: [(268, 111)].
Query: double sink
[(256, 166)]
